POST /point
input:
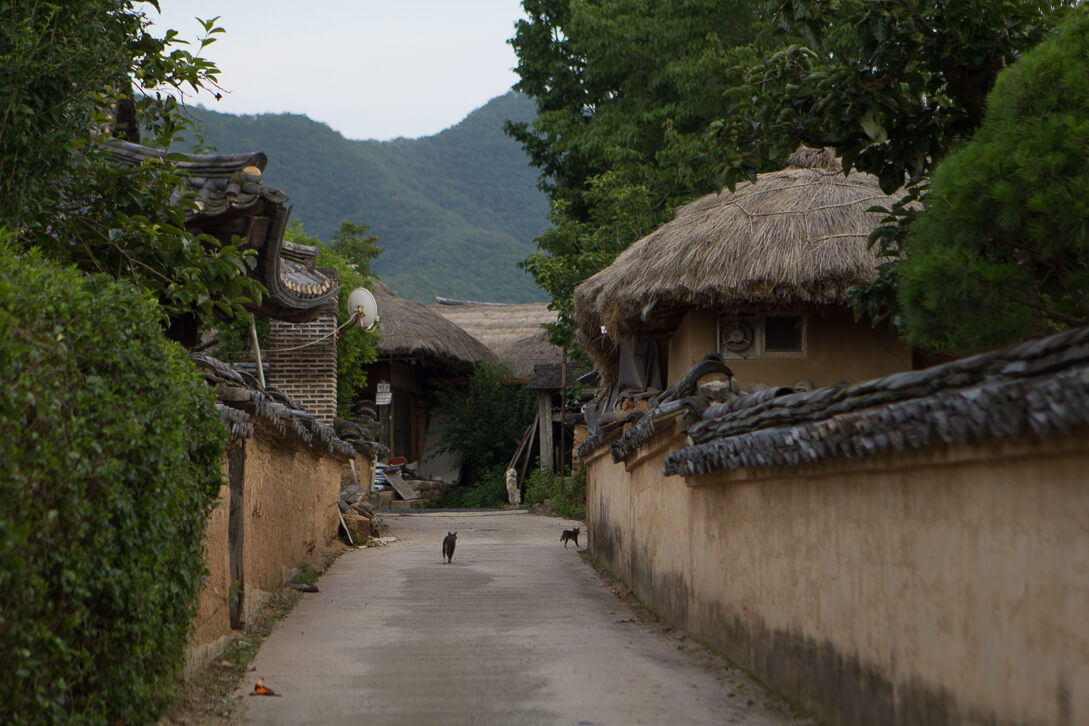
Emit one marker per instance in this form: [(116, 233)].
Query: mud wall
[(278, 505), (938, 587), (837, 349), (212, 624), (290, 511)]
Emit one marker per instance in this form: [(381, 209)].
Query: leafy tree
[(625, 91), (110, 455), (350, 253), (1001, 252), (631, 125), (483, 423), (892, 86), (72, 71), (354, 243)]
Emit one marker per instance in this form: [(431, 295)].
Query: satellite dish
[(362, 304)]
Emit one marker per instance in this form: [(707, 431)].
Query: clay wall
[(942, 586), (837, 349), (286, 509), (290, 505), (212, 625)]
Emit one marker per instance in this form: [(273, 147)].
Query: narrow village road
[(517, 630)]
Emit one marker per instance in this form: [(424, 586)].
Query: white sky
[(370, 69)]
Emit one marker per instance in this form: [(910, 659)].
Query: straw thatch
[(411, 330), (512, 331), (795, 236)]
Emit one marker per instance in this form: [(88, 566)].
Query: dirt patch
[(211, 697)]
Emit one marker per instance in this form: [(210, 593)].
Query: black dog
[(448, 544), (570, 534)]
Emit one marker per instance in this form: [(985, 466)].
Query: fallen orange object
[(259, 689)]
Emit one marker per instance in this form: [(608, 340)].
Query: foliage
[(625, 90), (1002, 251), (456, 211), (645, 105), (487, 491), (893, 87), (350, 254), (67, 66), (566, 494), (483, 419), (110, 450)]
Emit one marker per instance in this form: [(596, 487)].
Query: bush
[(488, 490), (484, 422), (110, 451), (566, 494)]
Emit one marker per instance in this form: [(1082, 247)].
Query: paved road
[(517, 630)]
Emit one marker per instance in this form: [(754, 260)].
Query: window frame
[(758, 349)]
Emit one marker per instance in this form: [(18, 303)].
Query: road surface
[(517, 630)]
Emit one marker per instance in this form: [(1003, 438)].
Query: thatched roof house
[(796, 238), (412, 331), (512, 331)]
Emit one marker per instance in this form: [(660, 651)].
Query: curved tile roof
[(232, 199), (1039, 388)]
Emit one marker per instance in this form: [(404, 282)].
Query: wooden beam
[(544, 414)]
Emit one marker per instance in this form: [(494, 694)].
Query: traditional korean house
[(759, 275), (419, 351)]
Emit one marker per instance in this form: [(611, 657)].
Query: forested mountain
[(454, 212)]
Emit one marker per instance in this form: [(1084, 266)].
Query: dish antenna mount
[(362, 305)]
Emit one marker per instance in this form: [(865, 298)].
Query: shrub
[(110, 451), (484, 422), (566, 494), (488, 490)]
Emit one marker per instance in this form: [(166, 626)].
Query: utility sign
[(383, 396)]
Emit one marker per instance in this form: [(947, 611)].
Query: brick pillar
[(308, 375)]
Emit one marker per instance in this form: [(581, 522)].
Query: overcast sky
[(370, 69)]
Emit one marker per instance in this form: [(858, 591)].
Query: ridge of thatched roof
[(410, 329), (511, 330), (798, 235)]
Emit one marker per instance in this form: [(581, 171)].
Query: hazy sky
[(370, 69)]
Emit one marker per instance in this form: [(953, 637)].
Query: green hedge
[(110, 451)]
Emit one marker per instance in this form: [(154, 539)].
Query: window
[(783, 334), (757, 335)]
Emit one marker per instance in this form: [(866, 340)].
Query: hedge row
[(110, 451)]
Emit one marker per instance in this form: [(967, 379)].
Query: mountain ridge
[(454, 212)]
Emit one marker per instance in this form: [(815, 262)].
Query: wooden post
[(257, 353), (544, 415), (563, 410), (529, 451)]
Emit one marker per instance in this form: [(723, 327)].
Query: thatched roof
[(412, 330), (798, 235), (512, 331)]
